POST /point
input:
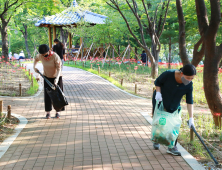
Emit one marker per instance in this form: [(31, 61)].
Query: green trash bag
[(165, 126)]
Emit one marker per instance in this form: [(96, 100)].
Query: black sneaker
[(57, 115), (156, 146), (48, 116), (174, 151)]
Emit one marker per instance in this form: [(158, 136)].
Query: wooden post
[(191, 135), (20, 89), (50, 38), (19, 63), (98, 69), (109, 74), (83, 63), (68, 62), (9, 112), (1, 106), (29, 72), (91, 66), (32, 80), (135, 88), (54, 32), (70, 40), (75, 62), (121, 82)]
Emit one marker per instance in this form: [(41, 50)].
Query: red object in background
[(217, 114)]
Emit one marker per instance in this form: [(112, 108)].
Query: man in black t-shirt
[(171, 86)]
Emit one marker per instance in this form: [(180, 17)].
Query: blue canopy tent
[(71, 16)]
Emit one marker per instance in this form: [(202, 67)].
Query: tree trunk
[(136, 53), (164, 48), (27, 48), (154, 69), (118, 49), (211, 84), (220, 64), (213, 56), (110, 53), (113, 53), (4, 35), (198, 55), (169, 59), (155, 53), (128, 53), (25, 34), (203, 24), (154, 66), (182, 37)]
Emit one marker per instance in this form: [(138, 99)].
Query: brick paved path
[(102, 128)]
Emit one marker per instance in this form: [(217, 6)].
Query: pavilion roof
[(72, 15)]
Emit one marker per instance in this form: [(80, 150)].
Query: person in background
[(59, 49), (144, 57), (77, 46), (16, 56), (52, 71), (171, 86), (21, 55), (10, 55)]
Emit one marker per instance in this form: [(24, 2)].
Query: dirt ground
[(10, 78), (7, 129)]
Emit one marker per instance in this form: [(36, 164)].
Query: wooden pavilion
[(71, 16)]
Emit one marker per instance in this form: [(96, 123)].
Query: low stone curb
[(8, 141)]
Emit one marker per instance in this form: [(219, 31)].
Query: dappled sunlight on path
[(101, 128)]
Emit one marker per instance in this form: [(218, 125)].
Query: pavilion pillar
[(50, 38), (54, 32), (70, 40)]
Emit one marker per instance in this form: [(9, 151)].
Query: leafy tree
[(212, 52), (8, 10), (207, 46), (145, 21)]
